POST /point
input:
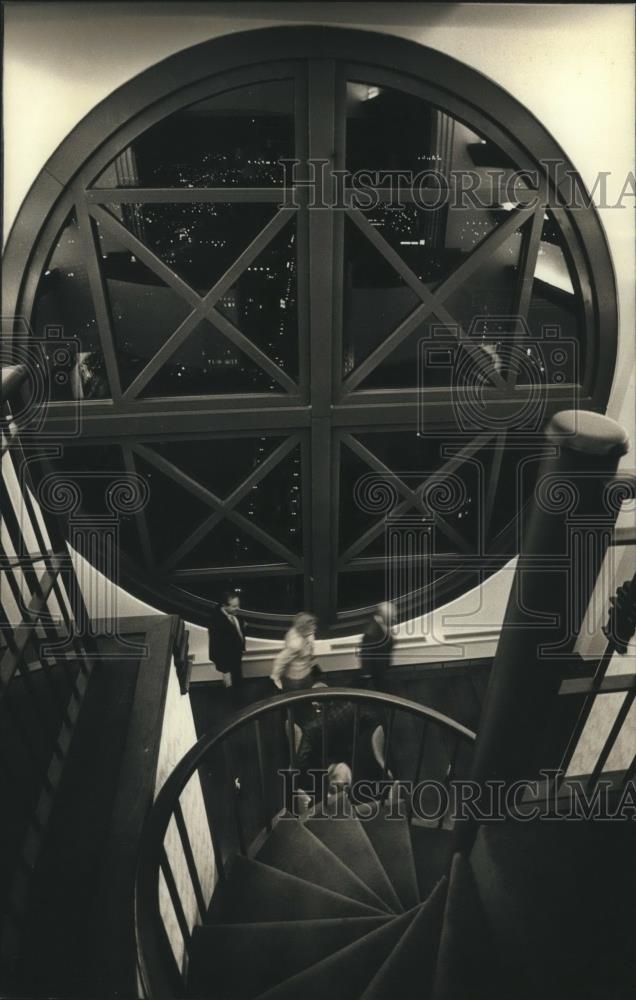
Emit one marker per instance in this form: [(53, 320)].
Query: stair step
[(345, 837), (243, 960), (390, 838), (256, 892), (467, 965), (294, 849), (410, 968), (344, 974), (433, 852)]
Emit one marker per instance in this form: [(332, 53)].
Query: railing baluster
[(189, 856), (218, 856), (420, 754), (450, 774), (387, 743), (355, 739), (57, 590), (32, 580), (173, 891), (416, 772), (324, 738), (614, 733), (585, 712), (238, 822), (291, 738), (267, 820)]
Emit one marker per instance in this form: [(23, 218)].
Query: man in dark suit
[(376, 648), (226, 637)]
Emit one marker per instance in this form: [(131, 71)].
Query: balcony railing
[(45, 664)]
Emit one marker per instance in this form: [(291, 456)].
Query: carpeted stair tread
[(243, 960), (467, 965), (433, 851), (345, 837), (345, 974), (256, 892), (410, 968), (293, 849), (390, 838)]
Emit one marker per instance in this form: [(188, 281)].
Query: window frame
[(321, 404)]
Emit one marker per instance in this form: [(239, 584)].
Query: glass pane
[(555, 317), (207, 363), (64, 322), (172, 512), (199, 242), (433, 242), (427, 358), (275, 595), (389, 130), (375, 299), (262, 303), (228, 545), (144, 311), (405, 452), (275, 504), (95, 467), (362, 589), (235, 139), (354, 518), (455, 497), (479, 304), (462, 508), (517, 477), (220, 464), (95, 470), (367, 497)]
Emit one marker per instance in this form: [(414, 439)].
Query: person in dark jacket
[(226, 636), (376, 647)]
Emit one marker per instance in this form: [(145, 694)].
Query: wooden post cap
[(588, 432)]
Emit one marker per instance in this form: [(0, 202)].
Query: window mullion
[(321, 107)]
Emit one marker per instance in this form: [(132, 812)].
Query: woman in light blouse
[(294, 666)]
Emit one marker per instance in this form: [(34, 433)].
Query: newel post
[(564, 541)]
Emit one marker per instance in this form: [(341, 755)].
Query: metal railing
[(619, 632), (242, 771), (45, 664)]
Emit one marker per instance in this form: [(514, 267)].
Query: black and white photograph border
[(318, 531)]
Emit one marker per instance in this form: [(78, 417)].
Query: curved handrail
[(147, 914)]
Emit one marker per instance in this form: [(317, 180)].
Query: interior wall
[(572, 65)]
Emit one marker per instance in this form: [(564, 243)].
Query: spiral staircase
[(378, 908), (375, 900), (345, 907)]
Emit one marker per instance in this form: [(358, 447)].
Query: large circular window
[(322, 306)]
